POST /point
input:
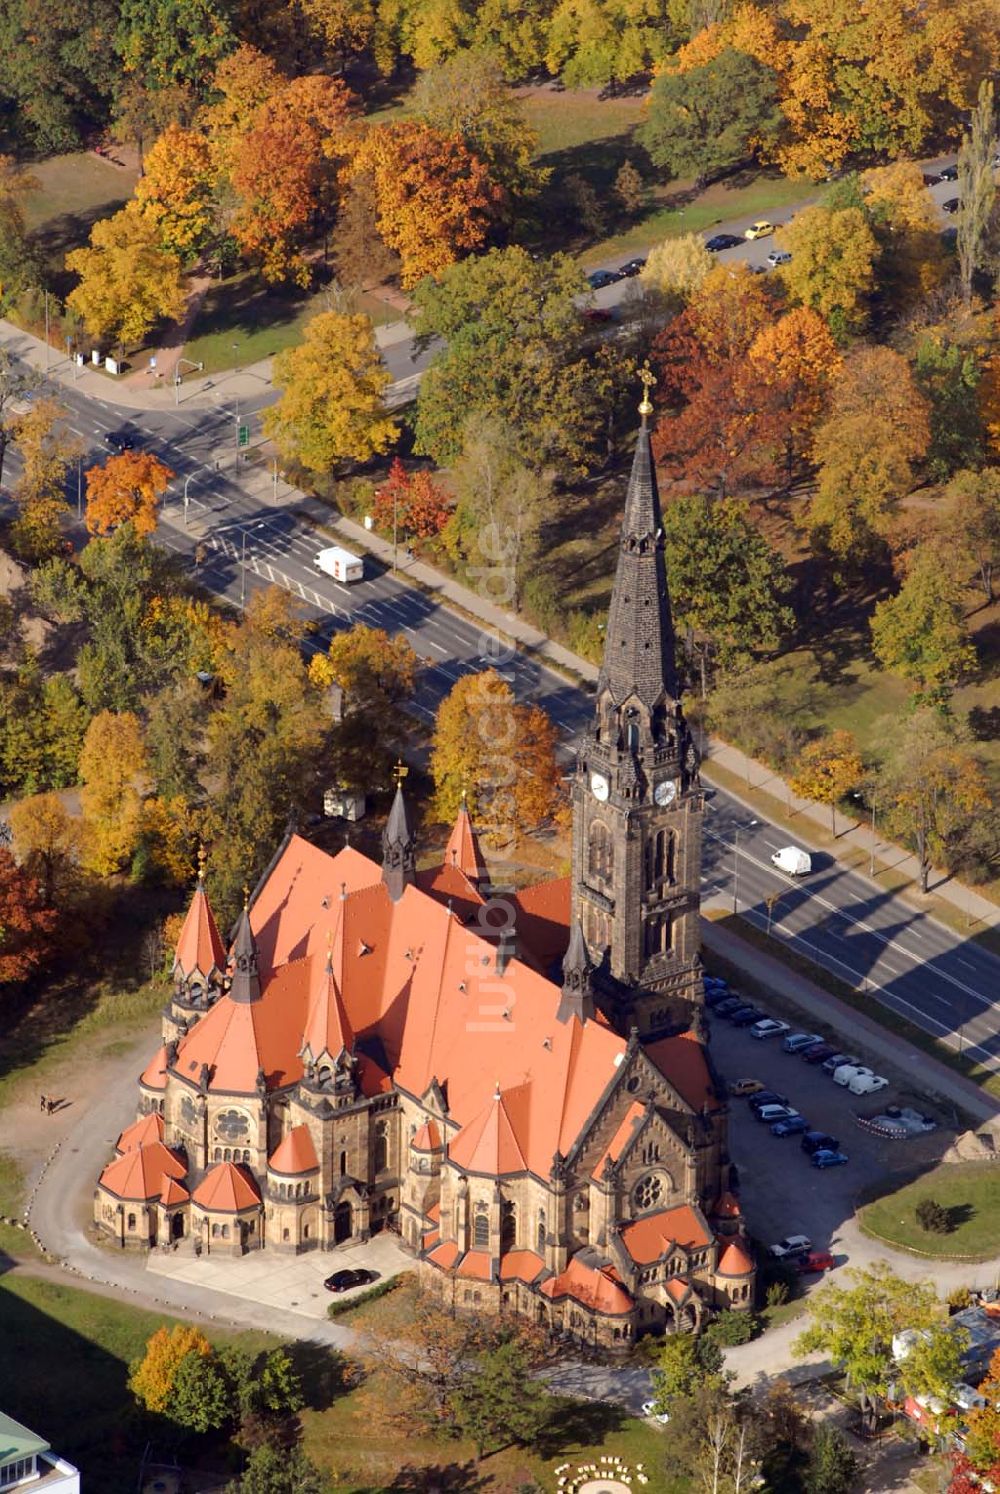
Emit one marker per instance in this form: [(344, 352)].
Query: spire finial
[(647, 379), (246, 897), (496, 1092), (399, 772), (202, 858)]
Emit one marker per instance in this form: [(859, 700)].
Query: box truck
[(340, 564)]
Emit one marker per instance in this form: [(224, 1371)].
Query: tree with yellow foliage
[(911, 263), (176, 190), (47, 843), (111, 764), (243, 81), (828, 768), (151, 1378), (127, 281), (331, 408), (677, 267), (126, 489), (832, 265)]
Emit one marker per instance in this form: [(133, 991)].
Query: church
[(533, 1112)]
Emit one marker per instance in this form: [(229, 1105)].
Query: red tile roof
[(631, 1122), (139, 1174), (449, 884), (429, 1238), (328, 1029), (475, 1264), (226, 1189), (462, 850), (295, 1154), (677, 1288), (682, 1062), (173, 1193), (726, 1207), (489, 1143), (434, 1212), (427, 1139), (541, 920), (200, 950), (590, 1286), (444, 1255), (654, 1236), (146, 1128), (154, 1075), (735, 1261), (521, 1265)]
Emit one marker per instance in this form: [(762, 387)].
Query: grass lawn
[(14, 1242), (74, 191), (971, 1193)]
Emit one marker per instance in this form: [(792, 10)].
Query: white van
[(791, 860), (340, 564)]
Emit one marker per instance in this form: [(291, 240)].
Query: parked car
[(948, 174), (742, 1088), (716, 995), (732, 1012), (792, 1125), (791, 1245), (631, 267), (749, 1018), (952, 206), (837, 1059), (770, 1027), (931, 178), (814, 1262), (598, 279), (825, 1157), (767, 1097), (867, 1084), (768, 1114), (730, 1004), (847, 1072), (762, 229), (779, 257), (649, 1409), (343, 1281), (819, 1141), (796, 1040), (816, 1052), (720, 241)]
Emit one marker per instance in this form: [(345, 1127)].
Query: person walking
[(44, 1104)]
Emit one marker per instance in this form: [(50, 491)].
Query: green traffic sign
[(244, 436)]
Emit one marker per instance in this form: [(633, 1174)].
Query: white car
[(849, 1071), (649, 1409), (867, 1084), (770, 1027), (768, 1114), (779, 257), (790, 1245), (798, 1040)]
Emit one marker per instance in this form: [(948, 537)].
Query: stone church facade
[(536, 1116)]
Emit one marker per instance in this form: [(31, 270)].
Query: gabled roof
[(489, 1144), (630, 1124), (173, 1193), (590, 1286), (462, 850), (226, 1189), (682, 1062), (140, 1174), (427, 1139), (654, 1236), (200, 950), (146, 1128), (521, 1265), (295, 1154), (327, 1028), (735, 1261)]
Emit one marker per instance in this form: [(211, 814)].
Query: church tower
[(637, 800)]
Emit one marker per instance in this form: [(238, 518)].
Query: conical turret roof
[(200, 950), (463, 850), (245, 985)]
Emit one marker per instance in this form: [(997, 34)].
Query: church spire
[(577, 998), (245, 985), (639, 644), (398, 866), (463, 850)]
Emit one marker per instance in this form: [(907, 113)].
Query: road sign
[(244, 436)]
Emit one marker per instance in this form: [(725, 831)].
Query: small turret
[(245, 984), (398, 865), (577, 989)]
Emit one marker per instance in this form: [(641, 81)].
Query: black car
[(836, 1059), (931, 179), (119, 441), (343, 1281), (722, 241), (747, 1018), (951, 206), (598, 279), (948, 174), (731, 1004), (767, 1097), (819, 1141), (630, 267), (731, 1013), (816, 1052), (717, 996)]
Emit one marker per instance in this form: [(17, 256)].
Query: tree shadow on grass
[(574, 1425), (450, 1478), (323, 1372), (959, 1214), (68, 231)]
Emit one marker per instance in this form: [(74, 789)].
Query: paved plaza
[(290, 1283)]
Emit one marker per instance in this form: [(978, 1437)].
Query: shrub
[(777, 1294), (832, 1465), (380, 1289), (731, 1328), (933, 1217), (959, 1298)]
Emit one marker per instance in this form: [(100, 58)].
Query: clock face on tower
[(665, 792), (599, 786)]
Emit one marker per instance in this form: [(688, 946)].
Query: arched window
[(600, 852), (659, 934), (508, 1226), (540, 1235), (343, 1164), (284, 1234), (381, 1146), (651, 1153), (225, 1231), (218, 1154), (481, 1231), (131, 1221), (660, 858)]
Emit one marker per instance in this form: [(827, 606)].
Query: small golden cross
[(647, 379), (399, 772)]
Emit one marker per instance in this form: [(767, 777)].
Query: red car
[(813, 1263)]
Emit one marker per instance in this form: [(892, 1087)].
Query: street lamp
[(243, 564), (236, 353), (186, 481), (871, 849), (736, 862)]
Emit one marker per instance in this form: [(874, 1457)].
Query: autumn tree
[(127, 282), (973, 521), (412, 505), (111, 764), (46, 841), (499, 754), (176, 190), (705, 121), (795, 358), (47, 447), (15, 383), (903, 217), (982, 1438), (434, 197), (930, 785), (140, 111), (976, 187), (126, 489), (468, 95), (42, 725), (832, 265), (587, 45), (152, 1378), (921, 633), (677, 267), (828, 769), (331, 407), (243, 81), (377, 674), (27, 923), (361, 258), (629, 188)]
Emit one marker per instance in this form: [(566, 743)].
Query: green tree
[(948, 376), (590, 44), (499, 1403), (828, 769), (764, 708), (15, 383), (467, 94), (176, 717), (727, 584), (58, 72), (832, 1467), (921, 633), (331, 408), (684, 1366), (973, 521), (151, 1378), (200, 1398), (976, 188), (703, 122), (832, 265), (272, 1470), (170, 42)]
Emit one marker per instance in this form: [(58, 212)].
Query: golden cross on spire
[(202, 858), (399, 772), (647, 379), (246, 897)]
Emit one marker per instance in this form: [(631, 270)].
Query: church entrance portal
[(343, 1223)]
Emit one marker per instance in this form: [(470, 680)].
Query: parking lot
[(781, 1192)]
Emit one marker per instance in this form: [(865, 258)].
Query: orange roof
[(521, 1265), (628, 1128), (590, 1286), (294, 1154), (449, 884), (173, 1192), (678, 1288), (327, 1027), (541, 918), (489, 1144), (427, 1139), (226, 1189), (139, 1174), (726, 1207), (430, 1237), (735, 1261), (682, 1062), (154, 1075), (475, 1263), (147, 1128), (200, 950), (444, 1255), (462, 850), (655, 1235)]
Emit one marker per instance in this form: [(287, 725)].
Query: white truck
[(793, 861), (340, 564)]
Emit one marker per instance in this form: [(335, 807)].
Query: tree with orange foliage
[(243, 82), (177, 188), (411, 503), (795, 357), (151, 1378), (127, 488), (434, 198), (26, 924), (827, 770)]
